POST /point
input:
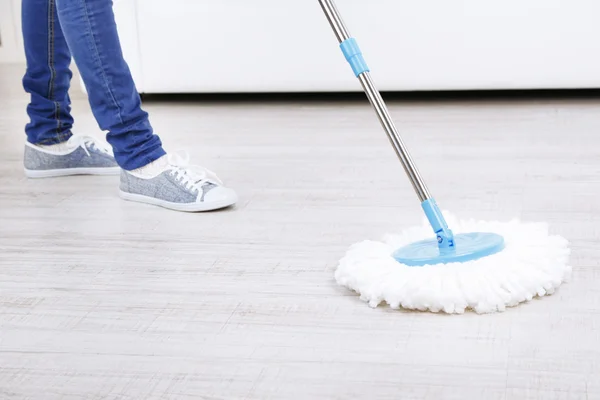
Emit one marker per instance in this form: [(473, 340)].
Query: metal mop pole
[(354, 56)]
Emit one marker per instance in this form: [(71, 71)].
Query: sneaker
[(80, 155), (171, 183)]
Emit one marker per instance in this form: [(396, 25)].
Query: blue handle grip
[(354, 56)]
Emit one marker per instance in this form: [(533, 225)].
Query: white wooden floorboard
[(104, 299)]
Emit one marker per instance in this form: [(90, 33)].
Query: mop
[(477, 265)]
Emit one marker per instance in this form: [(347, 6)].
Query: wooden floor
[(104, 299)]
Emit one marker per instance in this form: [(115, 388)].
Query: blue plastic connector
[(445, 237), (354, 56), (447, 248)]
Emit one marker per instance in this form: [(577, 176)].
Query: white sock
[(55, 148), (151, 170)]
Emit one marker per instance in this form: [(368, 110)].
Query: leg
[(51, 149), (47, 77), (91, 33)]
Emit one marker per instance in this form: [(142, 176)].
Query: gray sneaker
[(175, 185), (80, 155)]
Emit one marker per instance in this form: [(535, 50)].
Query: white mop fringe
[(533, 264)]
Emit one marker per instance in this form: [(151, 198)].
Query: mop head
[(533, 263)]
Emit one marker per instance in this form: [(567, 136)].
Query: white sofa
[(287, 45), (11, 47)]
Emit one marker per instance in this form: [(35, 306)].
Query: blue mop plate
[(467, 247)]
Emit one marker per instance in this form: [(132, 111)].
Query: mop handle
[(354, 57)]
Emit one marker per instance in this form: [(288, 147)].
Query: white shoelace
[(88, 142), (192, 176)]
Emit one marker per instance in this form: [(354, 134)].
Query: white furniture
[(270, 45), (11, 47), (288, 46)]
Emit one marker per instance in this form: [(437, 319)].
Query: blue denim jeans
[(54, 31)]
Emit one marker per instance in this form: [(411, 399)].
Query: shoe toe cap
[(221, 196)]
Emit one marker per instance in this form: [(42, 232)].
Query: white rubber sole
[(51, 173), (194, 207)]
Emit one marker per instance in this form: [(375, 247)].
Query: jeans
[(54, 31)]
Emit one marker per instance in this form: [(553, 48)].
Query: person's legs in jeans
[(55, 29), (148, 175)]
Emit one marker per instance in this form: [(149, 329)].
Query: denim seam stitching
[(99, 62), (51, 66), (51, 49), (58, 123)]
